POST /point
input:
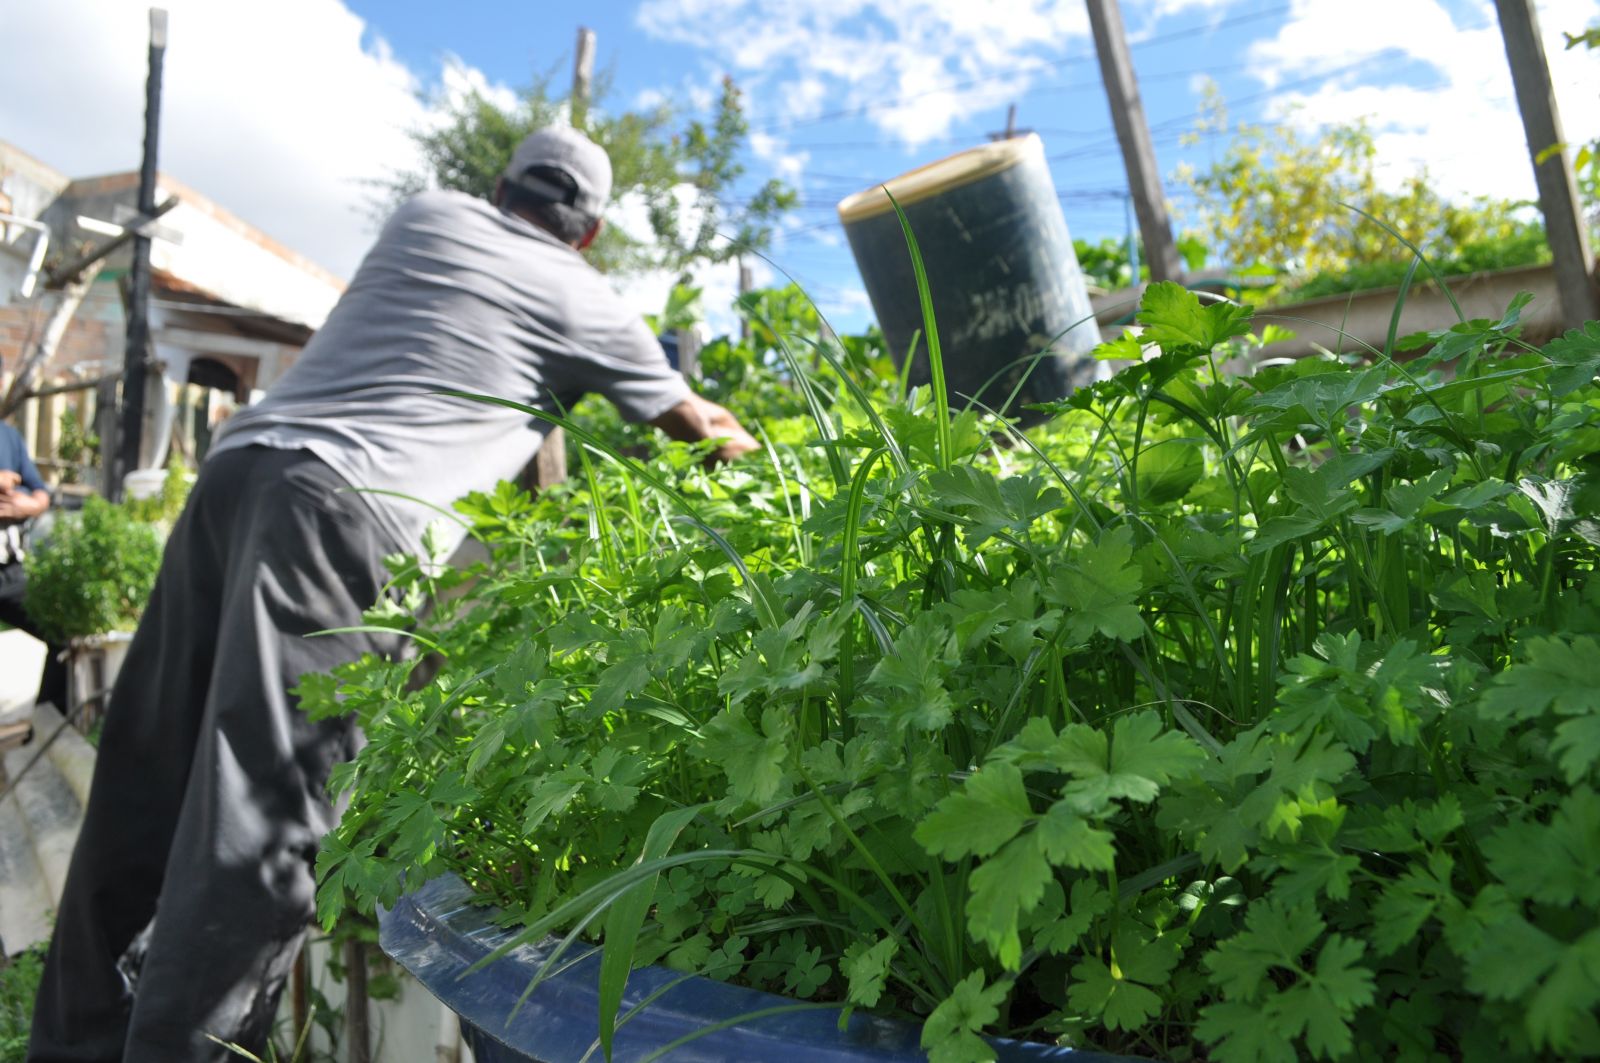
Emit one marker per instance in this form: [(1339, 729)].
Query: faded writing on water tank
[(1007, 309)]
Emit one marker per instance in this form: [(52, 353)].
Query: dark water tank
[(1001, 268)]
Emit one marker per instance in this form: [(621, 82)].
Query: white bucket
[(144, 483), (94, 664)]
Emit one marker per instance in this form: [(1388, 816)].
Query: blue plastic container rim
[(437, 935)]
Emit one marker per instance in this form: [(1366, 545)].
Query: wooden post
[(299, 979), (49, 431), (746, 282), (1558, 197), (136, 360), (28, 425), (688, 353), (1127, 115), (582, 77), (357, 1028)]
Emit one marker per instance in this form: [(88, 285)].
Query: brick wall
[(88, 338)]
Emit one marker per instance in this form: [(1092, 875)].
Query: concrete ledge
[(71, 753), (25, 901)]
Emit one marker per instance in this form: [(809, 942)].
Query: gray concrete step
[(50, 811), (25, 900), (39, 823)]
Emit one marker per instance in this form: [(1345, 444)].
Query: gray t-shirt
[(458, 295)]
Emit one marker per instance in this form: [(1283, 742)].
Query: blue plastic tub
[(437, 936)]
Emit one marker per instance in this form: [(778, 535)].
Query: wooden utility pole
[(136, 359), (550, 463), (582, 77), (1127, 115), (1558, 195)]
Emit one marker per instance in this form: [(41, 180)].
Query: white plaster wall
[(215, 257)]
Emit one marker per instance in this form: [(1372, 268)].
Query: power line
[(1169, 123), (1101, 131), (983, 79)]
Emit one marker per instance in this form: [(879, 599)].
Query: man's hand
[(20, 505), (9, 479), (696, 419)]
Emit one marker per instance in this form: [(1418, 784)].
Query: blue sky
[(284, 111), (833, 127)]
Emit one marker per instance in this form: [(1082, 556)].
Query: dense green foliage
[(94, 573), (1106, 264), (1302, 204), (19, 984), (1246, 718), (1521, 244), (77, 445), (1293, 211)]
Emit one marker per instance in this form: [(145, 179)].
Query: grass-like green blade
[(626, 916), (930, 329)]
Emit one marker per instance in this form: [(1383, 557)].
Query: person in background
[(23, 496), (191, 886)]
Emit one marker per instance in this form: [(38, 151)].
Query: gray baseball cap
[(564, 148)]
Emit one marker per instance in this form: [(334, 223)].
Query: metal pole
[(1138, 154), (137, 357), (1558, 196)]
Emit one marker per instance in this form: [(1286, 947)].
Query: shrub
[(94, 573)]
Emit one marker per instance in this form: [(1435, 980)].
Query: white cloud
[(278, 112), (649, 99), (1165, 8), (847, 308), (924, 53), (1466, 128), (719, 285), (786, 165), (458, 82)]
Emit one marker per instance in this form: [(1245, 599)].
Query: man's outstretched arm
[(696, 419)]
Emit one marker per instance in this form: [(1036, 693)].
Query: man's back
[(455, 295)]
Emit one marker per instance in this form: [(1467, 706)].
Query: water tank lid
[(952, 171)]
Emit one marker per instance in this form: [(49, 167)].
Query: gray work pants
[(208, 801)]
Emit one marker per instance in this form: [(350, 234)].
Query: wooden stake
[(357, 1025), (1558, 195), (1138, 154), (747, 281)]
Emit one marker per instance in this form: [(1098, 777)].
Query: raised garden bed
[(437, 935)]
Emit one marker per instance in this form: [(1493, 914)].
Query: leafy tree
[(653, 165), (1280, 200), (1587, 161)]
